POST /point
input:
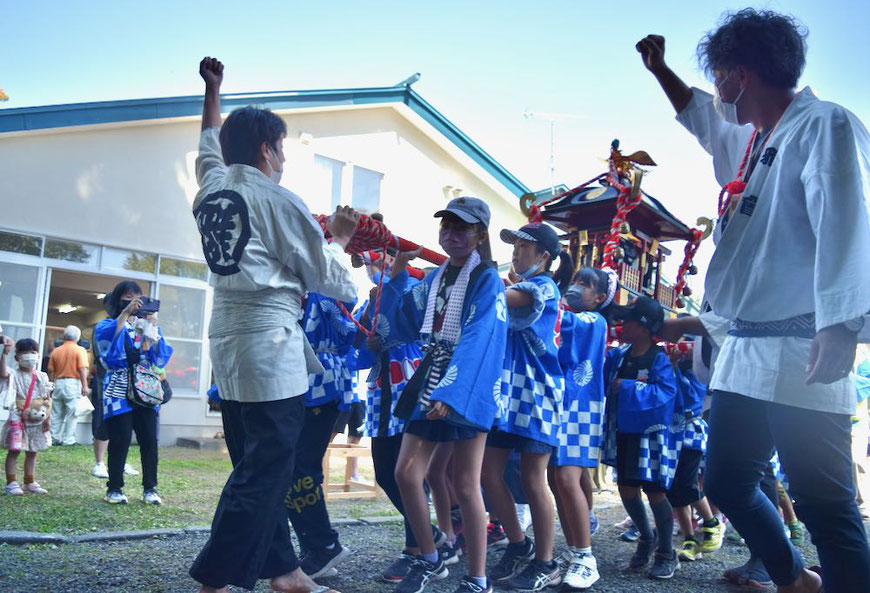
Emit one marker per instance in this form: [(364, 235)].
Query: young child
[(581, 355), (531, 401), (638, 441), (26, 393), (461, 315), (685, 492)]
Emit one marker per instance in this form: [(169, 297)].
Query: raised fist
[(652, 50), (212, 72)]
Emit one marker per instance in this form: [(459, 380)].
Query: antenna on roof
[(410, 80)]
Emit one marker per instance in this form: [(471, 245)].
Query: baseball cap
[(536, 232), (470, 210), (646, 311)]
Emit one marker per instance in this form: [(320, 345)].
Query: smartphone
[(149, 306)]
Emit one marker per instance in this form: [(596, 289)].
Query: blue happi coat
[(403, 361), (644, 406), (581, 355), (532, 382), (471, 383), (688, 408), (331, 334), (113, 357)]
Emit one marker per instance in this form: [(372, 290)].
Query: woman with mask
[(530, 398), (459, 313), (123, 339)]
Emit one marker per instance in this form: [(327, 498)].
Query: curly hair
[(770, 44)]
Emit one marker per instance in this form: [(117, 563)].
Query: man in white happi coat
[(791, 274)]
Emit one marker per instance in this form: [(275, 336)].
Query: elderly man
[(68, 368), (790, 273)]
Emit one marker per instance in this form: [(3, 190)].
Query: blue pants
[(815, 452)]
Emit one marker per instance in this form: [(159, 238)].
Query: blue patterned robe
[(688, 408), (331, 334)]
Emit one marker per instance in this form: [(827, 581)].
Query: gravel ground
[(160, 565)]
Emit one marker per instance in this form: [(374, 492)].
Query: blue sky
[(483, 64)]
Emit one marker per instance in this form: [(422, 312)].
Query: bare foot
[(297, 582), (204, 589), (807, 582)]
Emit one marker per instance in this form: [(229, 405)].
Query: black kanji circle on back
[(224, 227)]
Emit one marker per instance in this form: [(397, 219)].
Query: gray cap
[(471, 210)]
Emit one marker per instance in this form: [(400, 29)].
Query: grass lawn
[(190, 485)]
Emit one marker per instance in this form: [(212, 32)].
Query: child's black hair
[(26, 345), (564, 273), (600, 281), (244, 132), (112, 301)]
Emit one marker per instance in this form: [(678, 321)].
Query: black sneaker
[(509, 565), (399, 569), (421, 574), (317, 563), (642, 554), (664, 566), (537, 575), (450, 553), (439, 537), (466, 585)]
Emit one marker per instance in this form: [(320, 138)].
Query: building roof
[(25, 119)]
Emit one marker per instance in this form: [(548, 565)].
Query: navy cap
[(647, 312), (536, 232), (470, 210)]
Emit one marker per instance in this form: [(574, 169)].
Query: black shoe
[(537, 575), (642, 554), (513, 557), (421, 574), (439, 537), (317, 563), (450, 553), (399, 569), (664, 566), (466, 585)]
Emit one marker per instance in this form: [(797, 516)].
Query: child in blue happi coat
[(531, 403), (638, 439), (581, 355), (460, 314), (685, 492), (330, 334)]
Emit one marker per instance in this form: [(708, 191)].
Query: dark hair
[(26, 345), (112, 301), (244, 132), (600, 281), (770, 44), (563, 274)]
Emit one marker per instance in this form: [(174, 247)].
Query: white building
[(94, 193)]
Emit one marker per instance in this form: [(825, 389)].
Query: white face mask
[(727, 111), (275, 175), (28, 361)]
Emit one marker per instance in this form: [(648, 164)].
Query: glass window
[(18, 289), (129, 260), (18, 333), (329, 179), (181, 311), (183, 368), (26, 244), (183, 269), (71, 251), (366, 195)]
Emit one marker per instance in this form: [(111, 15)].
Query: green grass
[(190, 485)]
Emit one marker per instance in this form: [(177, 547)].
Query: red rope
[(689, 254), (371, 234), (625, 203)]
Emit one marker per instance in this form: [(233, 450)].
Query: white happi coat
[(798, 242), (265, 252)]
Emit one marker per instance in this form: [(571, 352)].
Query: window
[(129, 260), (183, 269), (26, 244), (18, 291), (366, 195), (328, 175), (182, 319), (71, 251)]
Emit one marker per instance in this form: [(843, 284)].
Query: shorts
[(684, 489), (499, 439), (440, 431), (351, 419), (98, 428), (628, 463)]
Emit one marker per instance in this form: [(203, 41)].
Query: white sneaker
[(100, 470), (35, 488), (14, 489), (564, 559), (582, 572), (524, 514), (116, 497), (129, 470), (151, 497)]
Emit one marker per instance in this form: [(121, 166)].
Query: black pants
[(684, 489), (385, 457), (250, 536), (120, 428), (306, 507)]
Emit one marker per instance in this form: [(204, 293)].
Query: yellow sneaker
[(691, 551), (712, 537)]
